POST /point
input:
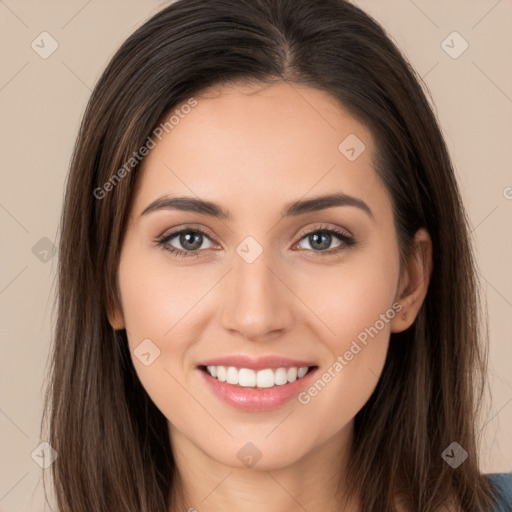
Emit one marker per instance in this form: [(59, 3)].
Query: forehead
[(251, 145)]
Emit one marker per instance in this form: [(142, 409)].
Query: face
[(269, 287)]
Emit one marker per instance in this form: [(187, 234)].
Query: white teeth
[(301, 372), (266, 378), (232, 375), (247, 377), (292, 374), (221, 373), (280, 377)]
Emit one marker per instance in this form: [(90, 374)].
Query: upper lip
[(256, 363)]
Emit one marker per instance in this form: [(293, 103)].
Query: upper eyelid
[(178, 231)]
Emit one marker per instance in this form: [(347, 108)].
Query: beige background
[(42, 100)]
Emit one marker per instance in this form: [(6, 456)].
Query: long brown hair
[(112, 442)]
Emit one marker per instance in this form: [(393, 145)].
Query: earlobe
[(116, 319), (415, 284)]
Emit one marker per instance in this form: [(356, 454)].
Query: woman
[(267, 293)]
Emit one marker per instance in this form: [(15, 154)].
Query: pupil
[(188, 239), (324, 241)]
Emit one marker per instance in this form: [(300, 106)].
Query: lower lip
[(256, 399)]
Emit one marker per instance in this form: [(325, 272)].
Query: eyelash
[(347, 241)]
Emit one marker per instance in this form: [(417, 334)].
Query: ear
[(413, 285), (116, 317)]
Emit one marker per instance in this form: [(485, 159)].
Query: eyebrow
[(192, 204)]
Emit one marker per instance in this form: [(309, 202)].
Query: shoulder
[(502, 483)]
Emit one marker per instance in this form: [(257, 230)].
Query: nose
[(258, 305)]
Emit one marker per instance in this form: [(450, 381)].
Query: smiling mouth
[(263, 379)]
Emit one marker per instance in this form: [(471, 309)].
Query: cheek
[(359, 304), (156, 297), (350, 297), (158, 301)]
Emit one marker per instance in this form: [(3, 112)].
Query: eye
[(190, 241), (322, 238)]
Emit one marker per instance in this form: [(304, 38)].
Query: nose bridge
[(259, 303)]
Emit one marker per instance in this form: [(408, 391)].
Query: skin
[(254, 149)]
